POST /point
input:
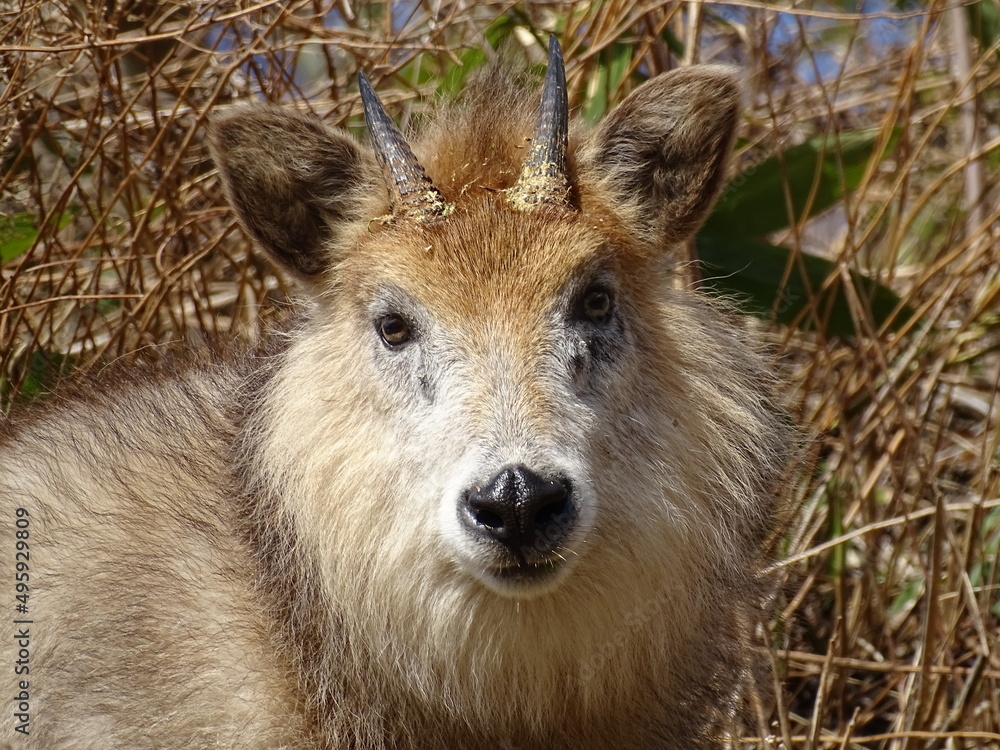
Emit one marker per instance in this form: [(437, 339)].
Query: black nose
[(522, 511)]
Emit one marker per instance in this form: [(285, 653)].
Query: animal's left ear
[(662, 153)]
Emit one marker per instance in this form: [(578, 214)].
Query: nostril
[(551, 513), (491, 511), (489, 519)]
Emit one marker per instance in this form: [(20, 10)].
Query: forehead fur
[(486, 252)]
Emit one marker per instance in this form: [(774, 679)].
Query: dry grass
[(885, 628)]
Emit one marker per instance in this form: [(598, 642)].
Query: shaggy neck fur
[(620, 654)]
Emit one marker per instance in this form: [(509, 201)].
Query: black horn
[(543, 179), (411, 192)]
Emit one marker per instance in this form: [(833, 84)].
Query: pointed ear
[(296, 185), (662, 153)]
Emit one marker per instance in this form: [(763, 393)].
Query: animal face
[(501, 334), (496, 389)]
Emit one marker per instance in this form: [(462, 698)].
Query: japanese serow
[(501, 484)]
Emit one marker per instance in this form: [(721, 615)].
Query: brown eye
[(394, 330), (596, 305)]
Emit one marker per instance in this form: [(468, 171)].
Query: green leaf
[(984, 22), (981, 572), (755, 204), (675, 45), (752, 269), (453, 80), (596, 103), (611, 70), (45, 369), (906, 599), (454, 77), (499, 29), (419, 70), (620, 61), (17, 235)]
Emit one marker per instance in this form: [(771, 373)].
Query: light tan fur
[(263, 550)]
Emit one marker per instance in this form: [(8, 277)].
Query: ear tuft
[(662, 153), (295, 184)]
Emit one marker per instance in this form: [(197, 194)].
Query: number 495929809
[(22, 559)]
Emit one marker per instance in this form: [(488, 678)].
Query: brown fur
[(261, 550)]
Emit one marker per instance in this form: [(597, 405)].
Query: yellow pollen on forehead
[(539, 184), (427, 207)]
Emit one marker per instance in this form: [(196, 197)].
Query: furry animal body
[(500, 485)]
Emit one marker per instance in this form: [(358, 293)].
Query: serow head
[(495, 378)]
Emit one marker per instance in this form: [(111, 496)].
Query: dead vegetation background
[(882, 296)]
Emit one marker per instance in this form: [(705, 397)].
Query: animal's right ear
[(296, 185), (661, 155)]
